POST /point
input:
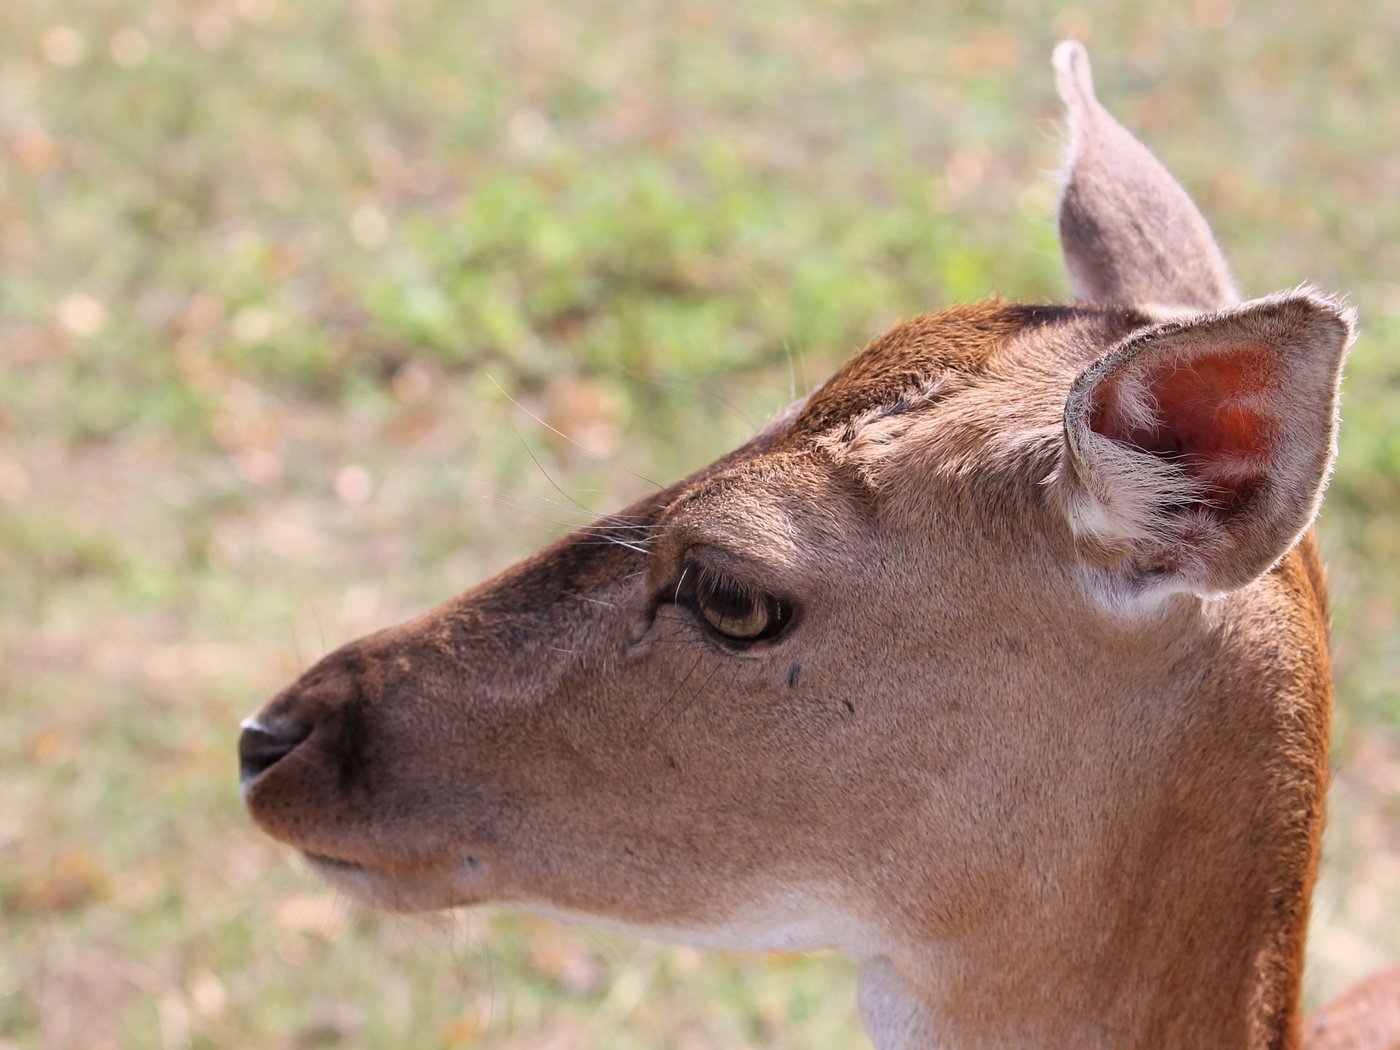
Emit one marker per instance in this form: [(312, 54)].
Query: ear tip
[(1336, 305), (1332, 309), (1074, 77)]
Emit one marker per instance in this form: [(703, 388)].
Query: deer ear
[(1129, 233), (1197, 451)]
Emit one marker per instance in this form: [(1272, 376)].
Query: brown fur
[(1039, 805)]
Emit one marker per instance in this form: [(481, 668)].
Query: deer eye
[(735, 610)]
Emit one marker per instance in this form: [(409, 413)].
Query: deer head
[(995, 663)]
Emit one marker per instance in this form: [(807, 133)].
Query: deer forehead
[(959, 393)]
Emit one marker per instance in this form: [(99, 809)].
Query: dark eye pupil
[(735, 611), (730, 602)]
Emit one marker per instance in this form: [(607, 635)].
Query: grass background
[(271, 274)]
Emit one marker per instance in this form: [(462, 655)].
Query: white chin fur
[(786, 921)]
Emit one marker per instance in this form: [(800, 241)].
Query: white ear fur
[(1197, 451)]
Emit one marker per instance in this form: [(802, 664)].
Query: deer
[(998, 662)]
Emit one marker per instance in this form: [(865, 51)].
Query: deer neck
[(1168, 903)]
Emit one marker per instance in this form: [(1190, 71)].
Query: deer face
[(906, 664), (825, 656), (676, 712)]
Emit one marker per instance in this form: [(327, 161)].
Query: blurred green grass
[(286, 291)]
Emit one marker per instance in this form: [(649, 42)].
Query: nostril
[(261, 747)]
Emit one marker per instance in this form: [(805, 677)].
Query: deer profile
[(998, 663)]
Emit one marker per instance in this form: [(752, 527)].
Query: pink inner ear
[(1209, 411)]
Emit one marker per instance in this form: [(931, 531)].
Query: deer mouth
[(323, 862), (449, 885)]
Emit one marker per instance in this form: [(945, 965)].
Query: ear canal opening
[(1198, 450), (1206, 415)]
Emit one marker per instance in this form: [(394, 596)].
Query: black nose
[(261, 747)]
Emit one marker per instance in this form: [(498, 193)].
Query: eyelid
[(696, 575), (697, 572), (758, 576), (720, 581)]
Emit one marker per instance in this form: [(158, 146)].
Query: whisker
[(692, 388), (679, 712), (674, 693), (792, 373), (566, 437), (497, 492), (603, 528), (639, 526), (602, 531), (296, 644), (762, 292), (592, 601), (531, 453), (507, 501)]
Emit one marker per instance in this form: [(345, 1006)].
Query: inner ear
[(1198, 449), (1206, 413)]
